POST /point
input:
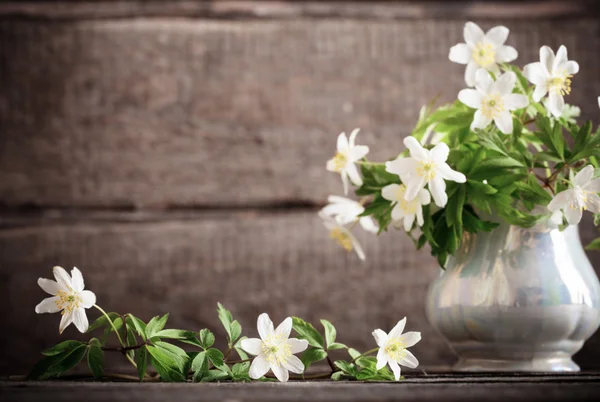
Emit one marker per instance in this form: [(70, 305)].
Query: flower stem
[(368, 352), (111, 324)]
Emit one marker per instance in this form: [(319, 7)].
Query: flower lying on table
[(496, 154), (150, 344)]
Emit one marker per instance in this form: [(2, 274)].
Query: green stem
[(368, 352), (111, 324)]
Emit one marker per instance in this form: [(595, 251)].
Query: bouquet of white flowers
[(509, 149)]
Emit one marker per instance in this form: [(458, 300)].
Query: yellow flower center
[(580, 200), (427, 170), (492, 105), (409, 207), (561, 84), (395, 349), (484, 54), (342, 238), (339, 161), (276, 349), (67, 302)]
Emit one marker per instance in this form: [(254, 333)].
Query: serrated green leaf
[(166, 364), (346, 367), (207, 339), (62, 347), (215, 356), (215, 375), (141, 360), (138, 325), (308, 332), (312, 355), (102, 321), (337, 346), (236, 331), (330, 332), (156, 324), (95, 358), (174, 334), (241, 353), (57, 364), (200, 363), (353, 353)]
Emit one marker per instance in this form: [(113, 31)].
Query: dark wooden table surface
[(439, 387)]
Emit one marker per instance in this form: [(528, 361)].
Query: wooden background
[(175, 152)]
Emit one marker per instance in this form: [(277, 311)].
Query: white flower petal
[(560, 59), (505, 83), (297, 345), (352, 172), (380, 337), (409, 360), (483, 82), (336, 199), (584, 176), (448, 173), (293, 364), (460, 53), (259, 367), (395, 369), (367, 223), (62, 277), (571, 67), (437, 187), (344, 213), (424, 197), (353, 135), (80, 319), (390, 192), (593, 185), (414, 186), (470, 97), (252, 346), (67, 318), (480, 121), (77, 280), (515, 101), (409, 220), (87, 298), (416, 149), (419, 214), (547, 58), (561, 200), (280, 372), (592, 203), (497, 35), (284, 329), (345, 182), (556, 103), (470, 73), (401, 166), (264, 325), (410, 338), (573, 215), (504, 122), (331, 165), (357, 247), (358, 152), (536, 73), (397, 330), (398, 213), (473, 33), (506, 54), (440, 152), (342, 143), (382, 359), (48, 285), (48, 305), (539, 92)]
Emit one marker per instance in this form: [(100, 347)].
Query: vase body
[(516, 299)]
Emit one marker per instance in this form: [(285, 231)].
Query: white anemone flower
[(582, 196), (493, 100), (68, 297), (342, 235), (482, 50), (403, 210), (345, 158), (347, 211), (274, 350), (392, 348), (552, 74), (425, 167)]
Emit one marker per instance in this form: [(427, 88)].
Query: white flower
[(425, 167), (68, 296), (552, 74), (342, 235), (582, 196), (392, 348), (406, 210), (493, 100), (346, 211), (274, 350), (343, 161), (482, 50)]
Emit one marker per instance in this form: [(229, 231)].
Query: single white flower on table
[(345, 158), (392, 348), (425, 167), (493, 100), (482, 50), (342, 235), (582, 196), (68, 297), (274, 350), (346, 211), (552, 74), (403, 210)]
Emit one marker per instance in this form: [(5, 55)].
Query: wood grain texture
[(171, 112)]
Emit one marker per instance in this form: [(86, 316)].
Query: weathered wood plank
[(173, 112)]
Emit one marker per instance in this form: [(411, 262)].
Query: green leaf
[(337, 376), (166, 364), (179, 355), (200, 363), (236, 331), (207, 339), (241, 353), (594, 245), (63, 347), (308, 332), (330, 332), (346, 367), (101, 321), (141, 359), (312, 355), (353, 353), (138, 325), (239, 371), (174, 334), (232, 327), (55, 365), (336, 346), (215, 375), (216, 357), (156, 324), (95, 358)]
